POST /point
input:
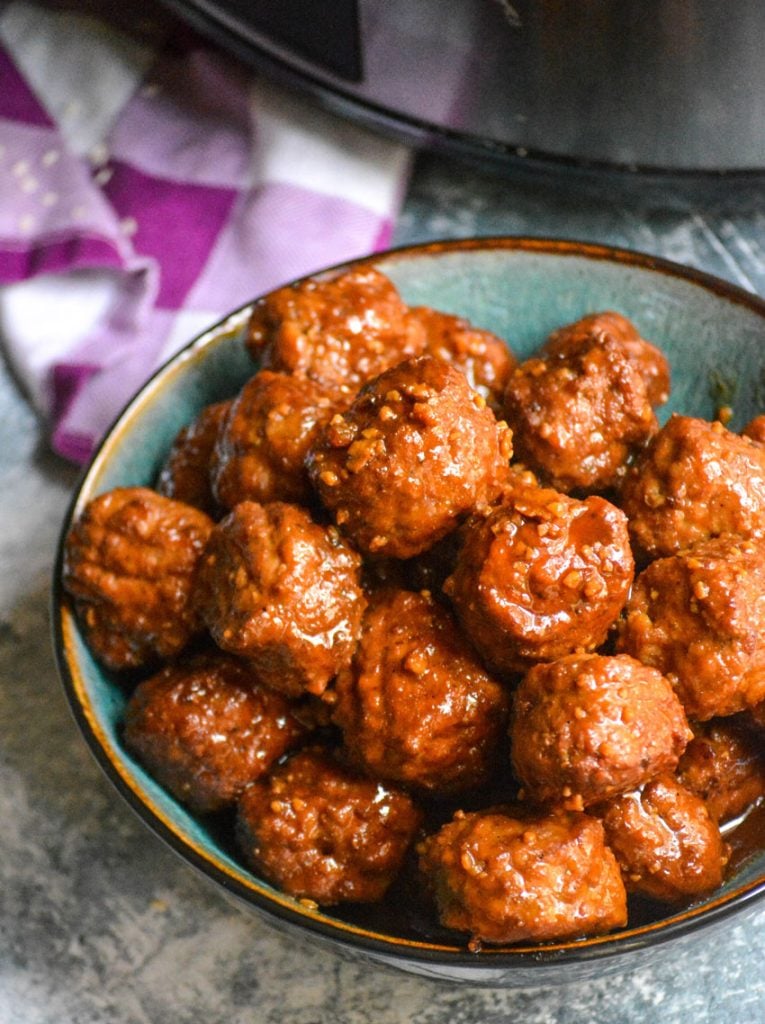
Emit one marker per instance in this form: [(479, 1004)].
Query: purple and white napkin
[(150, 184)]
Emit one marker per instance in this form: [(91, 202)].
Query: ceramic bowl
[(714, 335)]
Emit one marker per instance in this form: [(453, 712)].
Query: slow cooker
[(672, 85)]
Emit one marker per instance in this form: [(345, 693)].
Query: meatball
[(283, 592), (415, 452), (338, 332), (185, 475), (667, 845), (416, 706), (699, 618), (578, 416), (130, 562), (648, 360), (484, 358), (696, 480), (542, 576), (207, 728), (588, 726), (724, 764), (323, 833), (755, 430), (261, 449), (504, 876)]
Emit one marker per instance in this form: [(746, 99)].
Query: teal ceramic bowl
[(714, 336)]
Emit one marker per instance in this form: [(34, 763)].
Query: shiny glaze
[(282, 591), (417, 450), (696, 480), (541, 576)]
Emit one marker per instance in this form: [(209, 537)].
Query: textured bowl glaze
[(714, 336)]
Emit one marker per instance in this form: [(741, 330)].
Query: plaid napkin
[(150, 184)]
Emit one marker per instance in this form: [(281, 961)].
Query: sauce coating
[(580, 411), (381, 418), (416, 706), (185, 475), (699, 617), (724, 765), (323, 833), (695, 481), (280, 590), (260, 450), (542, 576), (484, 358), (506, 876), (416, 451), (667, 844), (589, 726), (130, 563), (339, 331), (207, 728)]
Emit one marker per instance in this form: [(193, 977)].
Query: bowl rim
[(245, 885)]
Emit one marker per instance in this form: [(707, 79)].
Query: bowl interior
[(714, 337)]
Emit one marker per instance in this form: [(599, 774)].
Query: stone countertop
[(101, 924)]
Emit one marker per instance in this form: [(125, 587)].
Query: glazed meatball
[(338, 332), (185, 475), (755, 430), (415, 452), (416, 706), (261, 449), (503, 876), (667, 845), (696, 480), (207, 729), (589, 726), (648, 360), (484, 358), (283, 592), (724, 764), (579, 416), (323, 833), (130, 562), (699, 618), (540, 577)]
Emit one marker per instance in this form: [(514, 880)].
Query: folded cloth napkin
[(150, 184)]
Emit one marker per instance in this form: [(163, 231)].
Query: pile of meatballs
[(406, 604)]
